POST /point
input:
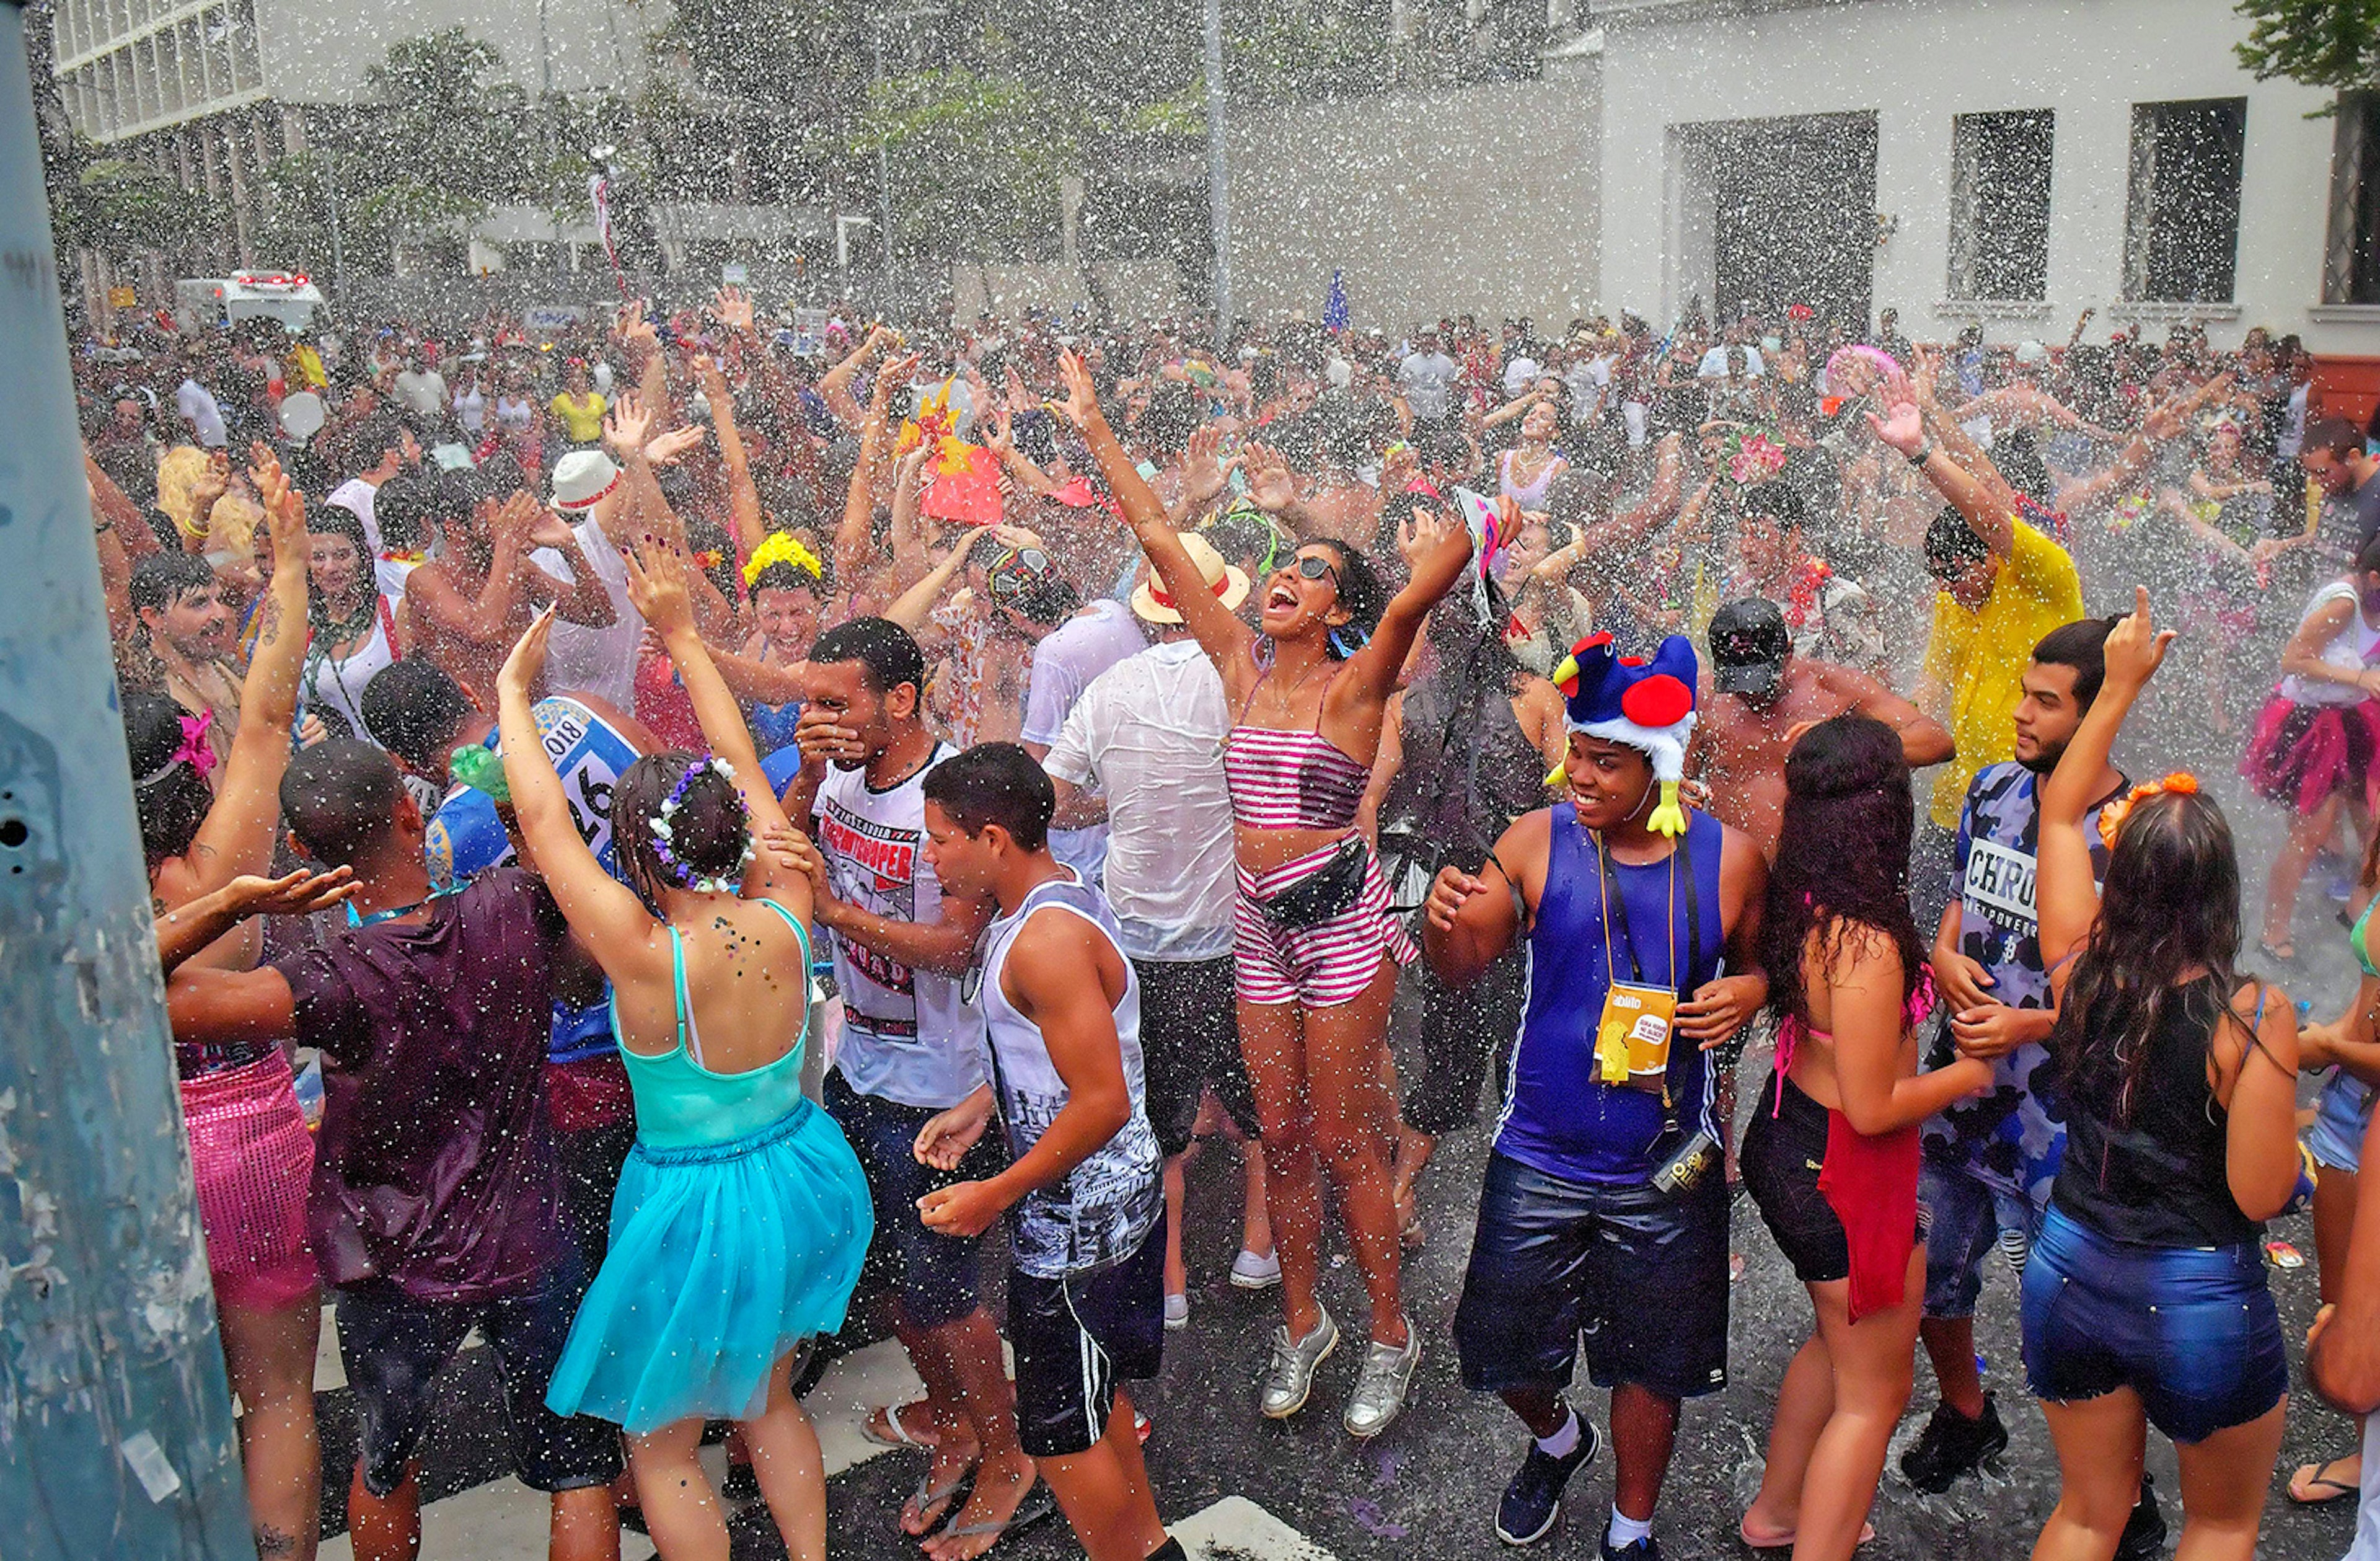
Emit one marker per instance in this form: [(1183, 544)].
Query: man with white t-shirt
[(912, 1045), (1144, 747), (197, 406), (1426, 376), (1073, 642), (383, 441)]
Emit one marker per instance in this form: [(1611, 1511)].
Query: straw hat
[(1151, 604)]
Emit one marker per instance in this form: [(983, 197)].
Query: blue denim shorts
[(937, 1277), (1968, 1216), (2339, 1117), (2192, 1330)]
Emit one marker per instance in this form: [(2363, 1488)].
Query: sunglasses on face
[(1314, 566)]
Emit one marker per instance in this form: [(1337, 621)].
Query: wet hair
[(413, 709), (2368, 561), (405, 506), (1778, 502), (371, 441), (1172, 416), (1361, 592), (1843, 855), (1951, 544), (886, 652), (174, 798), (995, 783), (161, 580), (338, 520), (2018, 459), (709, 829), (2082, 645), (787, 577), (339, 796), (2334, 436), (2171, 902)]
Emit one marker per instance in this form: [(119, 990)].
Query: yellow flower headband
[(783, 548), (2182, 783)]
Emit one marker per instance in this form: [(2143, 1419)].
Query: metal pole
[(1219, 193), (116, 1427)]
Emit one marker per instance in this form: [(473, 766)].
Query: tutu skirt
[(253, 1160), (2302, 753), (722, 1258)]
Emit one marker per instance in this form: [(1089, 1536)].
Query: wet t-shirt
[(435, 1167)]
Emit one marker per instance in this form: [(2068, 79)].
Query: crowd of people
[(631, 813)]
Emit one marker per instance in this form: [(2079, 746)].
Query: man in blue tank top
[(1605, 1211)]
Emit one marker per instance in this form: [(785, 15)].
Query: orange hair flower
[(2182, 783)]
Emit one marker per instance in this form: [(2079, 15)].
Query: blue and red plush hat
[(1647, 705)]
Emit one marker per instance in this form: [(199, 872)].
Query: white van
[(288, 296)]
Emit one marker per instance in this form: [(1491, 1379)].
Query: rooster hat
[(1647, 705)]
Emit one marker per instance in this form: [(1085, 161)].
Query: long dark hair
[(1361, 592), (1842, 854), (2170, 901)]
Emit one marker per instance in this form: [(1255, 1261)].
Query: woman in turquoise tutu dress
[(742, 1217)]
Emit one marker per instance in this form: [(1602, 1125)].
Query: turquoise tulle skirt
[(724, 1256)]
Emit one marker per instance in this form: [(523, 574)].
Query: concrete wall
[(1918, 63), (1481, 199)]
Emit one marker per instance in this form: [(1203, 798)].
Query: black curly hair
[(1843, 855), (1361, 592), (171, 796), (709, 828)]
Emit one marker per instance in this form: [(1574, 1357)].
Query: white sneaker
[(1177, 1313), (1250, 1272)]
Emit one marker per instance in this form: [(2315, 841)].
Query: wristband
[(1924, 453)]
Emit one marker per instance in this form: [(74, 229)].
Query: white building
[(2009, 163)]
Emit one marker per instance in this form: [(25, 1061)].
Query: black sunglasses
[(1314, 566)]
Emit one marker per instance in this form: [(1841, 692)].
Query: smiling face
[(1540, 421), (333, 566), (1302, 597), (788, 618), (1609, 782), (199, 624)]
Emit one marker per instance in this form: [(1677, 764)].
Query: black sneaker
[(2144, 1529), (1952, 1444), (1642, 1550), (1533, 1500)]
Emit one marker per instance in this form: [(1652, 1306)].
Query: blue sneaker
[(1533, 1500), (1642, 1550)]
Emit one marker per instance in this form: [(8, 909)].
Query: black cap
[(1748, 646)]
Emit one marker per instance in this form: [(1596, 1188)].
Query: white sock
[(1625, 1530), (1563, 1443)]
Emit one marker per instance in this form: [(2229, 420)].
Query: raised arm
[(834, 386), (1438, 547), (854, 548), (743, 495), (1904, 428), (1923, 739), (2066, 894), (1226, 640), (911, 609), (237, 837), (605, 915), (657, 585), (184, 932)]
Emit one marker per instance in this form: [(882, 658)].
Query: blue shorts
[(1639, 1273), (392, 1345), (1967, 1215), (2339, 1117), (937, 1277), (2192, 1330), (1076, 1337)]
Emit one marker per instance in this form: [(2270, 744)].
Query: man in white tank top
[(1086, 1272)]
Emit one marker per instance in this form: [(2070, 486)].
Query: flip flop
[(2317, 1477), (1868, 1532), (1038, 1505), (898, 1436), (929, 1495), (2286, 954)]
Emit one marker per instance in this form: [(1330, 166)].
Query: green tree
[(2333, 43), (124, 208), (976, 162)]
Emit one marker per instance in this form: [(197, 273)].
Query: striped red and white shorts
[(1321, 965)]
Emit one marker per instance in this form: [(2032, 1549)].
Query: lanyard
[(1627, 934), (392, 912)]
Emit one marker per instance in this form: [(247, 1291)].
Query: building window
[(1999, 205), (2350, 268), (2181, 221)]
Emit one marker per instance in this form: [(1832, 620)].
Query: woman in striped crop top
[(1317, 951)]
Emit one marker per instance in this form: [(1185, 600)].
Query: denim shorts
[(1640, 1274), (2339, 1117), (1968, 1216), (938, 1278), (393, 1346), (2192, 1330)]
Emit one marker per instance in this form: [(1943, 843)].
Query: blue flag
[(1334, 304)]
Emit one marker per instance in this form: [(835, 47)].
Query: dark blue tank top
[(1559, 1117)]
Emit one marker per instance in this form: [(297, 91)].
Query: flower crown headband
[(782, 548), (664, 828), (2182, 783)]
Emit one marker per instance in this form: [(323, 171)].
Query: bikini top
[(1793, 1028), (2355, 943), (681, 1104), (1292, 780)]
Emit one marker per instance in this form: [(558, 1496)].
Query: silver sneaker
[(1289, 1379), (1381, 1385)]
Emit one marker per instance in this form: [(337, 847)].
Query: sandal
[(896, 1434), (933, 1504), (1038, 1505), (2314, 1478), (1785, 1542), (2283, 954)]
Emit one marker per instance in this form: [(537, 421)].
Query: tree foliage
[(2333, 43), (122, 207)]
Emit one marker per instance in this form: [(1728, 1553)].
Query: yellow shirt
[(1978, 658), (585, 417)]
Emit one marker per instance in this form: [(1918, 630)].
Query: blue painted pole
[(115, 1428)]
